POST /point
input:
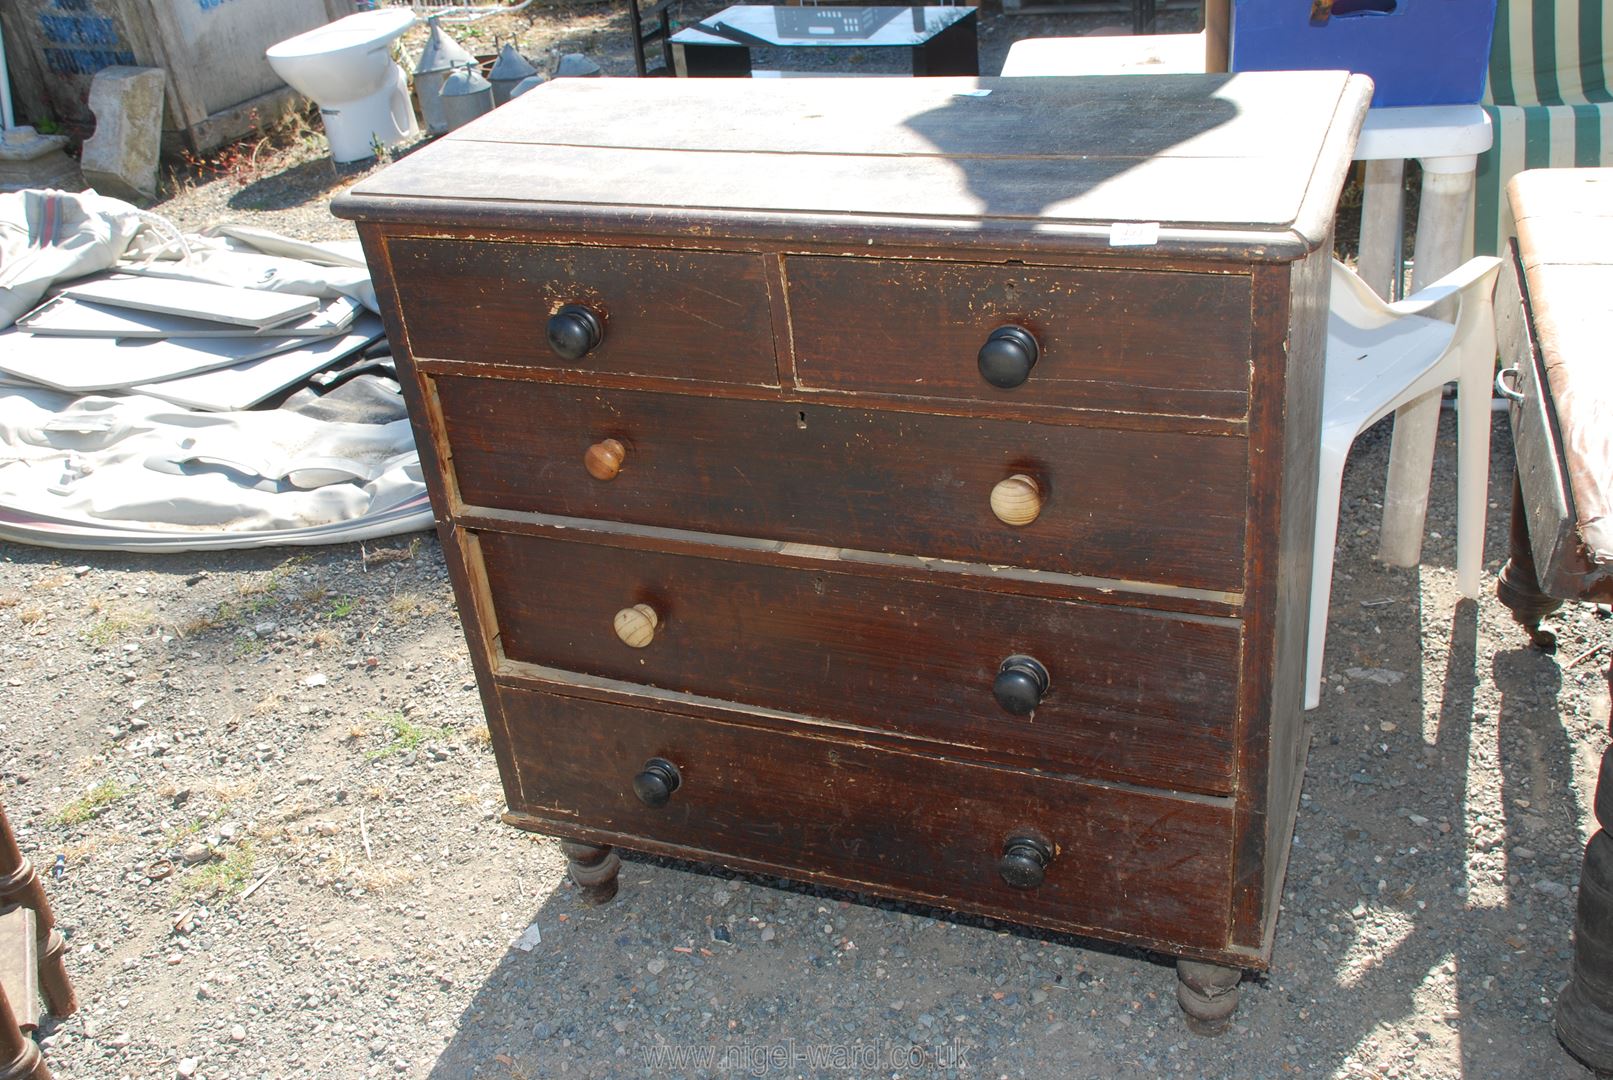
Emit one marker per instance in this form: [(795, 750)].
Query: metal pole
[(8, 119)]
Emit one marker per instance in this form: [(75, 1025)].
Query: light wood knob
[(604, 459), (636, 625), (1016, 500)]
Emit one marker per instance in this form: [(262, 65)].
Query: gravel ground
[(268, 775)]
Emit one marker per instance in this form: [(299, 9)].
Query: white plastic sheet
[(128, 471)]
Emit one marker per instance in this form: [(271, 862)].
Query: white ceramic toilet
[(346, 68)]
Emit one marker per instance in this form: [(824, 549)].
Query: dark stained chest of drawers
[(757, 566)]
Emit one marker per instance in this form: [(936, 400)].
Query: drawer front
[(1134, 696), (1158, 507), (671, 314), (1123, 340), (1125, 862)]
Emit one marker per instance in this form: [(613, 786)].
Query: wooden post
[(19, 1057), (1585, 1008), (20, 884)]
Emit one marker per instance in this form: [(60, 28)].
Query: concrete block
[(576, 66), (120, 159)]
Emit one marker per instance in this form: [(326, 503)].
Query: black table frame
[(953, 51)]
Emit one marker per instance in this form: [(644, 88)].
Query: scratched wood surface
[(913, 658), (928, 828), (1564, 446), (1234, 152), (682, 314), (1117, 503), (794, 279), (898, 328)]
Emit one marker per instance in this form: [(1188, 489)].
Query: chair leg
[(1411, 466), (1379, 263), (1411, 453), (1472, 463), (635, 21), (1329, 484)]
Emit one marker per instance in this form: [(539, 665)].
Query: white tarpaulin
[(128, 471)]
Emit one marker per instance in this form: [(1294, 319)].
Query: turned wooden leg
[(1585, 1007), (19, 1057), (1208, 994), (1518, 587), (593, 867), (20, 884)]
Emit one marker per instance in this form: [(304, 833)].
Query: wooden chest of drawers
[(903, 485)]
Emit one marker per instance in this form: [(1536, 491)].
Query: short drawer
[(670, 314), (1123, 863), (1137, 696), (1145, 506), (1125, 340)]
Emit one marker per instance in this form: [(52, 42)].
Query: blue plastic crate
[(1418, 52)]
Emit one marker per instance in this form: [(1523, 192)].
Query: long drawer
[(1123, 340), (1132, 695), (1123, 862), (671, 314), (1145, 506)]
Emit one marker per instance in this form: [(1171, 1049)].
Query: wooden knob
[(657, 781), (574, 332), (1007, 357), (1024, 861), (1016, 500), (1021, 684), (604, 459), (636, 625)]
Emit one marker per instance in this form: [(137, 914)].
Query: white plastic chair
[(1379, 357)]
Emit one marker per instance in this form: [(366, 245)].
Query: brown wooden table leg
[(1518, 586), (1208, 995), (20, 884), (1585, 1007), (20, 1059), (594, 868)]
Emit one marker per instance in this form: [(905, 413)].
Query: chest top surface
[(1245, 165)]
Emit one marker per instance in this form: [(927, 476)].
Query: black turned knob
[(1020, 685), (1024, 861), (655, 785), (574, 332), (1007, 357)]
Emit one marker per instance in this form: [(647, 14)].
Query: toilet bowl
[(346, 68)]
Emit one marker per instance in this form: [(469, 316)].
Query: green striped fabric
[(1548, 100)]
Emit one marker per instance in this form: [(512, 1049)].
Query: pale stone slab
[(120, 159)]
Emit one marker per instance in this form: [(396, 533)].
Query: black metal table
[(942, 40)]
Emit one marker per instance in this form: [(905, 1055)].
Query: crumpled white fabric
[(141, 461), (47, 237), (134, 473), (51, 236)]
